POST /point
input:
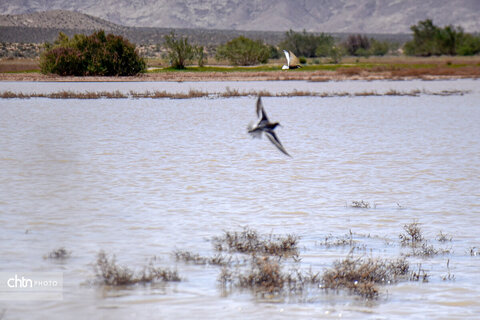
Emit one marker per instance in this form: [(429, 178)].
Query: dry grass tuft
[(110, 273), (189, 257), (443, 237), (419, 274), (229, 93), (265, 275), (412, 236), (58, 254), (249, 241), (346, 240), (360, 204), (426, 250), (362, 276)]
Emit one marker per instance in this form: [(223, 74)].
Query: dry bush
[(443, 237), (265, 275), (361, 276), (58, 254), (249, 241), (189, 257), (110, 273), (346, 240), (413, 234), (360, 204)]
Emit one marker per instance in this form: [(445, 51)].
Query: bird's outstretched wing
[(274, 139), (293, 62), (287, 55), (260, 111)]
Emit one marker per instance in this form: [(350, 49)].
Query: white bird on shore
[(265, 126), (292, 60)]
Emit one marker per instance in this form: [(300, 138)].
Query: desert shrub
[(379, 48), (62, 61), (98, 54), (362, 276), (250, 241), (110, 273), (307, 44), (428, 40), (181, 51), (58, 254), (357, 45), (413, 234), (243, 51), (469, 46)]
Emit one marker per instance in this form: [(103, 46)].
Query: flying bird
[(265, 126), (292, 60)]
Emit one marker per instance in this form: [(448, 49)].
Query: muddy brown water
[(143, 177)]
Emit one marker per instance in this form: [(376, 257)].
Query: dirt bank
[(339, 75)]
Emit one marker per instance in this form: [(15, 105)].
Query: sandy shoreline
[(235, 76)]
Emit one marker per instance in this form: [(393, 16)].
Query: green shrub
[(335, 53), (244, 51), (180, 51), (379, 48), (357, 45), (94, 55), (306, 44), (429, 40), (470, 45)]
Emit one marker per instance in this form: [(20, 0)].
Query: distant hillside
[(45, 26), (57, 19), (348, 16)]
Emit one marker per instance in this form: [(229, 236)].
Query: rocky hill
[(351, 16), (57, 19)]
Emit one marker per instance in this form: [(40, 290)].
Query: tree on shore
[(181, 52), (306, 44), (98, 54), (430, 40), (243, 51)]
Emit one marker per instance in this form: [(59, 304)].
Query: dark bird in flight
[(265, 126)]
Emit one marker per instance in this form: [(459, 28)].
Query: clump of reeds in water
[(58, 254), (192, 93), (414, 238), (268, 264), (443, 237), (342, 241), (194, 258), (413, 234), (360, 204), (267, 275), (110, 273), (251, 242), (362, 276)]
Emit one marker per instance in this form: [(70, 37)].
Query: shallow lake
[(141, 178)]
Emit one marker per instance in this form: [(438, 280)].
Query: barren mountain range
[(350, 16)]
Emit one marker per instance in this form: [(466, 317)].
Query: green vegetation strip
[(226, 94)]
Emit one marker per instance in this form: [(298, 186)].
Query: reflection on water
[(141, 178)]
